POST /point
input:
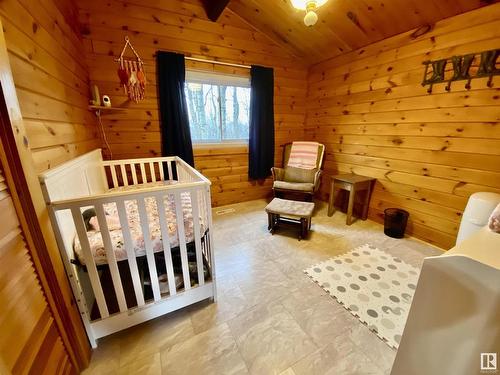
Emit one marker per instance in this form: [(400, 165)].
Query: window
[(218, 107)]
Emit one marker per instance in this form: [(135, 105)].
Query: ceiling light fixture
[(309, 6)]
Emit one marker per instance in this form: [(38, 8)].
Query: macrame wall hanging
[(463, 68), (131, 73)]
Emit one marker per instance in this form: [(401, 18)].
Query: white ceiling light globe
[(302, 4), (310, 19)]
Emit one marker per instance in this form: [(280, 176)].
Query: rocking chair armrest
[(278, 173), (317, 179)]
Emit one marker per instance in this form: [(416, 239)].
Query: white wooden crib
[(150, 215)]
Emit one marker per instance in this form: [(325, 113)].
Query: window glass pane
[(217, 112), (235, 107), (203, 110)]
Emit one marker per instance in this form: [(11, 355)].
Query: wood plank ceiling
[(345, 25)]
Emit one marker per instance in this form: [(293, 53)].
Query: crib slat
[(166, 244), (186, 174), (124, 174), (134, 173), (113, 175), (197, 238), (182, 240), (129, 247), (143, 173), (152, 170), (180, 173), (89, 262), (203, 209), (160, 167), (169, 168), (110, 255), (153, 275), (208, 205)]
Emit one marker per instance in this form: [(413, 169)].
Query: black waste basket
[(395, 220)]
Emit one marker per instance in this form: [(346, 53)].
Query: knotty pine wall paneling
[(45, 82), (182, 26), (429, 152), (47, 59)]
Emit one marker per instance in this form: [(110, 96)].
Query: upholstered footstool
[(284, 211)]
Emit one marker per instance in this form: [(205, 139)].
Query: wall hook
[(467, 85), (490, 81)]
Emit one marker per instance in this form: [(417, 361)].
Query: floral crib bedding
[(115, 232)]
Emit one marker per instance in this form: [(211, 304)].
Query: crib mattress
[(115, 231)]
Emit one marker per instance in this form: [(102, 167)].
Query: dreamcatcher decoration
[(131, 74)]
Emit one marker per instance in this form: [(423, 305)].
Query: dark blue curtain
[(261, 138), (174, 120)]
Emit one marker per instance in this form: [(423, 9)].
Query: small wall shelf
[(98, 109)]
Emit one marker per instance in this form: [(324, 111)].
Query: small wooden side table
[(352, 183)]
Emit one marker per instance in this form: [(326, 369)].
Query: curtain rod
[(218, 62)]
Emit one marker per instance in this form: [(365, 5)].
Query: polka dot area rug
[(373, 285)]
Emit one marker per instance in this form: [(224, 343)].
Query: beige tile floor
[(269, 317)]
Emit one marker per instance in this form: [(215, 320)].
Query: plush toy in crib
[(494, 221), (91, 222)]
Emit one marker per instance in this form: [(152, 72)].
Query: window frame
[(219, 80)]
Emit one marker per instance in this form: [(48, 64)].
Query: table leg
[(269, 221), (352, 193), (331, 200), (367, 201)]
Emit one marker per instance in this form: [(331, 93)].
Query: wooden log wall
[(429, 152), (48, 64), (22, 180), (182, 26)]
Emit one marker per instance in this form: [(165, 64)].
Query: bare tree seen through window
[(218, 113)]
